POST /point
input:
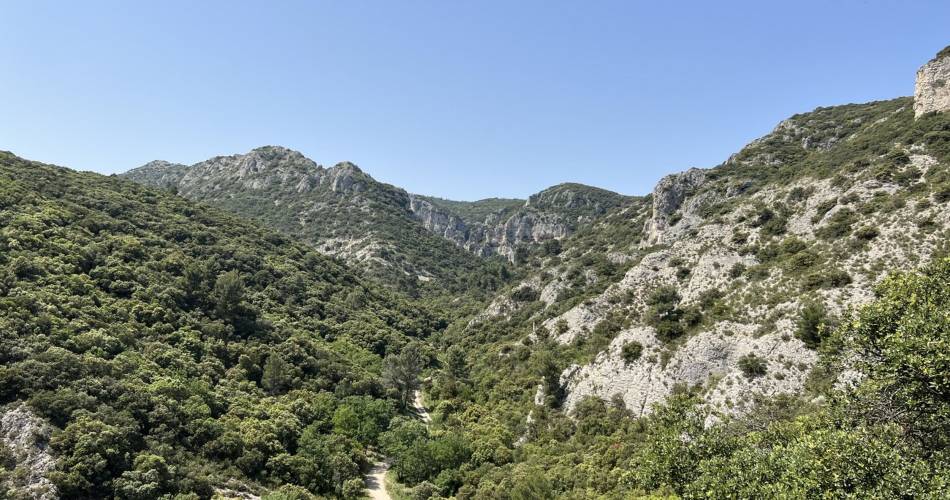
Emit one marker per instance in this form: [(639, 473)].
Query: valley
[(260, 326)]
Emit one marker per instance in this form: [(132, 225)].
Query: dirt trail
[(376, 477), (376, 482), (419, 409)]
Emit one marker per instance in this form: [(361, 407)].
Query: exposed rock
[(554, 213), (708, 359), (668, 197), (158, 173), (932, 88), (26, 436)]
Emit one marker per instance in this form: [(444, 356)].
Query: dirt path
[(419, 409), (376, 482), (376, 477)]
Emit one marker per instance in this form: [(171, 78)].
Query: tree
[(276, 376), (905, 341), (811, 324), (631, 351), (547, 367), (229, 294), (91, 452), (663, 314), (149, 478), (401, 372), (455, 362)]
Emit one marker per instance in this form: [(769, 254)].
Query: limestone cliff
[(553, 213), (932, 89)]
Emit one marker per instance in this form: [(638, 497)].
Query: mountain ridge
[(340, 210)]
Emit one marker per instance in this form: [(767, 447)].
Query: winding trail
[(376, 477)]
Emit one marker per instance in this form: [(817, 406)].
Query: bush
[(811, 326), (631, 351), (525, 294), (838, 226), (867, 233), (834, 278), (737, 270), (663, 313), (752, 366)]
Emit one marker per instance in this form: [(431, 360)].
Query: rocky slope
[(397, 237), (714, 282), (26, 438), (551, 214)]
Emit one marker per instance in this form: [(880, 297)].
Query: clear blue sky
[(463, 100)]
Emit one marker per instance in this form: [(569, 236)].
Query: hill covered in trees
[(179, 350)]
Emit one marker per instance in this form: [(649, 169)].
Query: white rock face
[(708, 359), (499, 234), (27, 437), (932, 90), (668, 197)]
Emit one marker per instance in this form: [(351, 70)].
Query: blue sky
[(463, 100)]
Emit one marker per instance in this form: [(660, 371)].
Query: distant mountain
[(397, 237), (340, 210), (502, 226)]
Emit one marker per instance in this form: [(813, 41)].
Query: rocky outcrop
[(499, 234), (932, 89), (26, 436), (709, 360), (269, 168), (554, 213), (439, 221), (158, 173), (668, 197)]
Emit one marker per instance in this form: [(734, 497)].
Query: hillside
[(722, 287), (411, 241), (721, 264), (178, 349), (776, 326), (340, 210)]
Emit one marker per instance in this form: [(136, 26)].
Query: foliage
[(753, 366), (904, 338), (401, 372), (812, 324), (631, 351), (176, 346)]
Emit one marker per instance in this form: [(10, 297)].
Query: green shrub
[(752, 366), (525, 294), (867, 233), (838, 226), (811, 327), (736, 270), (631, 351)]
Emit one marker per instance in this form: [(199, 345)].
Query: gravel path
[(376, 477)]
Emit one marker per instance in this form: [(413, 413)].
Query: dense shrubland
[(179, 349), (885, 437)]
